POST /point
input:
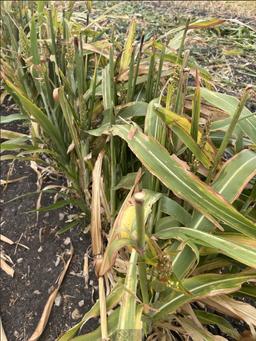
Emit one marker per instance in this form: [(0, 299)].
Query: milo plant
[(199, 250), (183, 239), (146, 150), (54, 84)]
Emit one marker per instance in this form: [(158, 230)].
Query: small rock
[(67, 241), (58, 300), (16, 334), (76, 314), (19, 260), (61, 216), (40, 249), (46, 215), (57, 262), (81, 303), (37, 292)]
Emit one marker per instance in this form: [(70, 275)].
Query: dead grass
[(220, 8)]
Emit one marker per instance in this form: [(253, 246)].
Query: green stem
[(180, 89), (228, 134), (112, 139), (139, 205), (137, 65), (113, 180), (161, 62), (130, 80), (183, 39)]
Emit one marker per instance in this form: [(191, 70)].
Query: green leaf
[(33, 42), (230, 181), (174, 175), (248, 291), (176, 211), (132, 109), (68, 226), (199, 287), (165, 223), (242, 254), (175, 42), (126, 181), (96, 334), (12, 118), (15, 144), (182, 127), (107, 88), (58, 204), (40, 6), (11, 135), (128, 306), (210, 318), (229, 104), (33, 111), (153, 125)]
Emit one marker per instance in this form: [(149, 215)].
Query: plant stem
[(139, 205), (137, 65), (112, 140), (196, 109), (182, 44), (113, 179), (103, 310), (182, 79), (228, 134)]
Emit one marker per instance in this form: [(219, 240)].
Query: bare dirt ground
[(37, 267)]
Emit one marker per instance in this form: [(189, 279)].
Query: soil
[(24, 296)]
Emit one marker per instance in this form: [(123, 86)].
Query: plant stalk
[(182, 44), (103, 310), (228, 133), (139, 205)]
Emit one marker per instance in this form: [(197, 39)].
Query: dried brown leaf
[(207, 111), (86, 270), (7, 268), (2, 332), (71, 147), (9, 181), (96, 212), (104, 201), (6, 239), (237, 309)]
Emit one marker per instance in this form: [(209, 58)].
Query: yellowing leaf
[(206, 24), (128, 47), (171, 119), (127, 224)]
